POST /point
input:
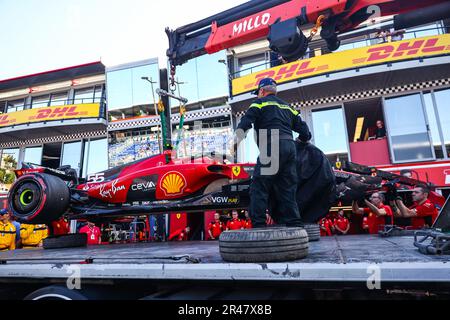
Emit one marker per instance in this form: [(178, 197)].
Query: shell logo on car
[(173, 183)]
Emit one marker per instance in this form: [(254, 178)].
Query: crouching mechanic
[(270, 114), (33, 236), (7, 232)]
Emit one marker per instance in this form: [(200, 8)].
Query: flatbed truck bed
[(334, 263)]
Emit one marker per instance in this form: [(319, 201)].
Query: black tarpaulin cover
[(316, 192)]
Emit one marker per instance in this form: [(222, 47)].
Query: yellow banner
[(91, 110), (350, 59)]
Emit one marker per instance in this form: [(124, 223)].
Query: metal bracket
[(432, 243), (395, 231), (164, 93)]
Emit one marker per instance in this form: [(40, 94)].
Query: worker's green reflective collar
[(276, 104)]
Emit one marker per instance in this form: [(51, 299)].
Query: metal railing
[(368, 42)]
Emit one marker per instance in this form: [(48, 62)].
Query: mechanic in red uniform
[(184, 235), (60, 227), (235, 223), (342, 224), (326, 227), (93, 232), (215, 228), (247, 223), (423, 213), (377, 214), (180, 234)]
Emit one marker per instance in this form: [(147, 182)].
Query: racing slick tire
[(39, 198), (75, 240), (87, 292), (313, 231), (264, 245)]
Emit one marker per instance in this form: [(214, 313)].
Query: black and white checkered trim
[(154, 121), (62, 138), (203, 114), (376, 93)]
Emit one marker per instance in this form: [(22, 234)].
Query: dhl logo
[(294, 70), (91, 110), (350, 59), (6, 119), (173, 183), (60, 112), (405, 49)]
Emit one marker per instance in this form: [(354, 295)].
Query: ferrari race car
[(155, 185), (163, 184)]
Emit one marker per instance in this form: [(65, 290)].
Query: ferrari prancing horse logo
[(173, 183), (236, 171)]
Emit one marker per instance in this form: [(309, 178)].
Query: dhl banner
[(350, 59), (91, 110)]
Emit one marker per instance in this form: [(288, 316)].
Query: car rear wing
[(63, 173)]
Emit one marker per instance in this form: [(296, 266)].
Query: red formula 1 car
[(163, 184), (159, 184)]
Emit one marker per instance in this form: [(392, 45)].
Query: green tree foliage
[(9, 162), (9, 178)]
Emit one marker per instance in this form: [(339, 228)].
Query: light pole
[(150, 80)]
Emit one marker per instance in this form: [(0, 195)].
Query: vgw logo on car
[(250, 24), (225, 200)]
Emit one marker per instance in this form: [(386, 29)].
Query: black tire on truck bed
[(264, 245), (66, 241), (313, 231), (55, 293)]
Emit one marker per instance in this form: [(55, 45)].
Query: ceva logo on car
[(143, 186), (251, 24)]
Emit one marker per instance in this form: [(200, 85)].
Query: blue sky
[(41, 35)]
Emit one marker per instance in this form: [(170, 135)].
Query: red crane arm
[(279, 21), (257, 26)]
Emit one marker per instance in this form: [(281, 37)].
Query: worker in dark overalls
[(273, 120)]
